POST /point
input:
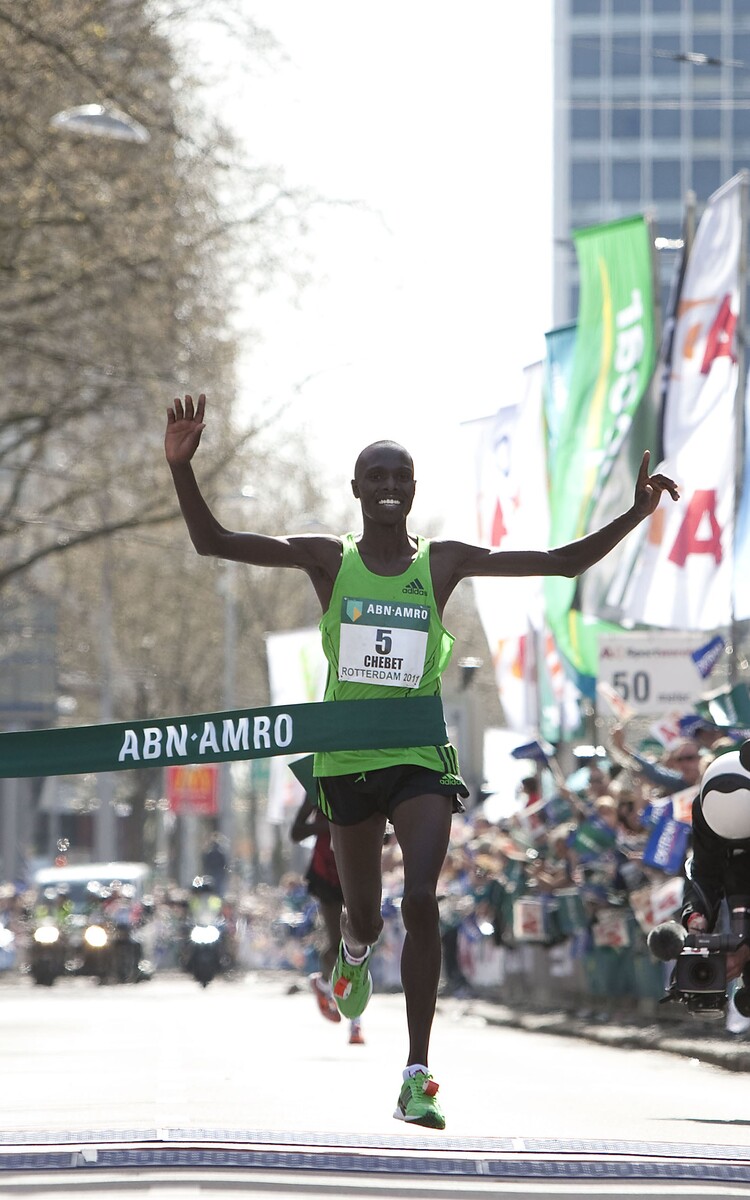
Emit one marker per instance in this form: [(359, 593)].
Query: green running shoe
[(352, 985), (418, 1104)]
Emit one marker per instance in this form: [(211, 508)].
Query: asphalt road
[(252, 1063)]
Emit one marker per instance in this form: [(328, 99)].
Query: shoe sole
[(428, 1121)]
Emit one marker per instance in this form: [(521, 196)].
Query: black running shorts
[(349, 799)]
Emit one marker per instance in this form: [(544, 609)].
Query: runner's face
[(384, 484)]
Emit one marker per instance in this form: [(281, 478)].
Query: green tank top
[(383, 638)]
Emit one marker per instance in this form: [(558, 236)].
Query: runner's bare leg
[(422, 826), (359, 850)]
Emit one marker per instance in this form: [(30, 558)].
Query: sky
[(432, 290)]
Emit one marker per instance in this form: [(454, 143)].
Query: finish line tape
[(237, 734)]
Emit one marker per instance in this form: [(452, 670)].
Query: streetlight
[(100, 120), (103, 121), (228, 590)]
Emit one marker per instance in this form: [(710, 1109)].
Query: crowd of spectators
[(590, 859)]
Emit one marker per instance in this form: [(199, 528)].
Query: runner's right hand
[(185, 425)]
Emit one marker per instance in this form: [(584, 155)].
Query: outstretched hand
[(648, 489), (185, 425)]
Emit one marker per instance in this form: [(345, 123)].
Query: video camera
[(699, 979)]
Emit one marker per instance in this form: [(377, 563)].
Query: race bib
[(383, 642)]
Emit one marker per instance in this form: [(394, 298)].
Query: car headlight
[(46, 935), (7, 938), (95, 936), (204, 935)]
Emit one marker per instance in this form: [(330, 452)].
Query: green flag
[(613, 363)]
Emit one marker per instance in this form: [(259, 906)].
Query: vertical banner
[(741, 581), (559, 698), (506, 451), (601, 589), (559, 712), (613, 363), (296, 675), (558, 371), (682, 578)]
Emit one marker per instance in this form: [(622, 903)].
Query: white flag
[(296, 675), (506, 453), (511, 510), (682, 578)]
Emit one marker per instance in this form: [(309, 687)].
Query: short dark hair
[(386, 443)]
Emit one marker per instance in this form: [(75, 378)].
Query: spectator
[(680, 766)]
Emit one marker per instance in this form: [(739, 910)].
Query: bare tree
[(117, 262)]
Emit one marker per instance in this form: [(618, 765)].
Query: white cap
[(725, 797)]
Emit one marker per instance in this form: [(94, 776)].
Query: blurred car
[(76, 880), (106, 906)]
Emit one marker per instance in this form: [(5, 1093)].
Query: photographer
[(721, 851)]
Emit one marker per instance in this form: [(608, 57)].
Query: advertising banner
[(193, 790), (683, 575), (507, 456), (238, 734), (613, 363), (296, 674)]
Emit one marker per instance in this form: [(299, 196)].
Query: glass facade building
[(652, 100)]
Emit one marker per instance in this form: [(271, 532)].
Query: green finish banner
[(225, 737), (615, 354)]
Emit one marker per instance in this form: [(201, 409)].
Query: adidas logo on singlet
[(414, 588)]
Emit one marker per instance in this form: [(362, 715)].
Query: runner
[(382, 594), (324, 885)]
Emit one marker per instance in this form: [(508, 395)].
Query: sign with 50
[(653, 672)]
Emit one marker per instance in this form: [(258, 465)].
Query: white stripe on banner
[(682, 578)]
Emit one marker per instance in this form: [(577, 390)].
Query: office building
[(652, 100)]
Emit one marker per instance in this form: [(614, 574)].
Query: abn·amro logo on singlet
[(414, 588), (354, 609)]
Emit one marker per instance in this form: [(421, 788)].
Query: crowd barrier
[(548, 963)]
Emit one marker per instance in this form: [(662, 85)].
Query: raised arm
[(456, 560), (318, 556)]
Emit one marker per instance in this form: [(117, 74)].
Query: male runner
[(324, 885), (357, 579)]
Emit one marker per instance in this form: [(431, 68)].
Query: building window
[(666, 180), (585, 58), (707, 6), (626, 6), (666, 122), (586, 6), (585, 122), (666, 6), (626, 180), (741, 53), (626, 122), (669, 229), (584, 181), (741, 123), (710, 45), (707, 122), (626, 56), (706, 176), (664, 48)]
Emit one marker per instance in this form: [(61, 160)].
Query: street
[(249, 1056)]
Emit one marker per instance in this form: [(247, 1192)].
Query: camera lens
[(702, 973)]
